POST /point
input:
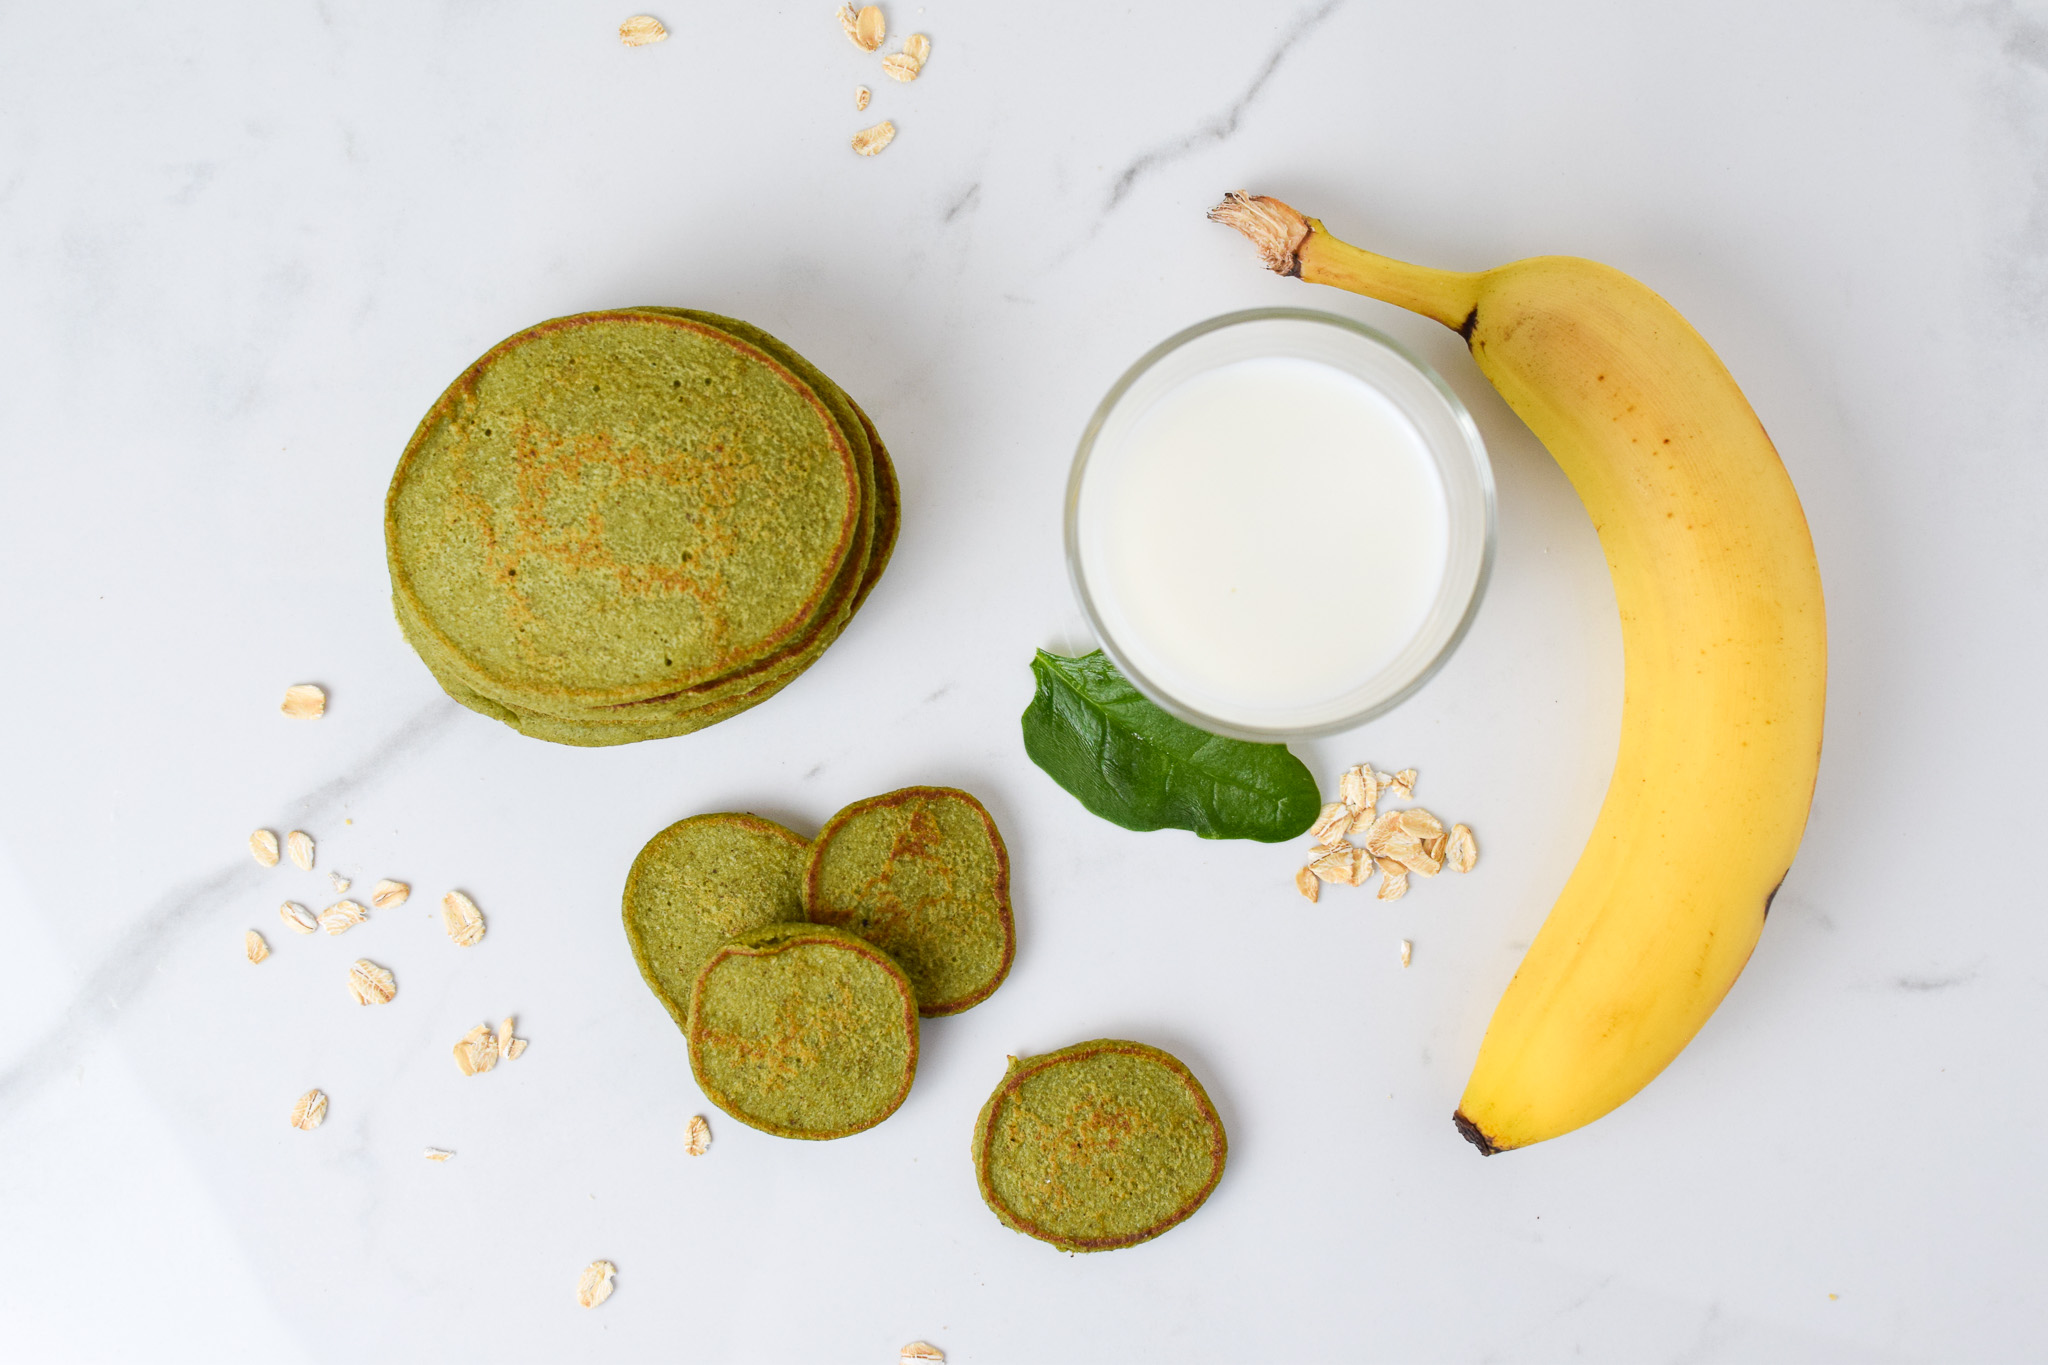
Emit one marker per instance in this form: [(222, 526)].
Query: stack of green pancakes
[(798, 969), (632, 524)]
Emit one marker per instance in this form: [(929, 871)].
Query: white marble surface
[(243, 245)]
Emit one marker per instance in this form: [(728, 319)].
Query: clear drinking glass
[(1447, 432)]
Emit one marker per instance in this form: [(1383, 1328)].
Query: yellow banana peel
[(1724, 640)]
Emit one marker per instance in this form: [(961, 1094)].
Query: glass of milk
[(1280, 523)]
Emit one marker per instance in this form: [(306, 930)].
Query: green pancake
[(698, 883), (1097, 1146), (862, 572), (623, 723), (694, 707), (760, 681), (922, 874), (803, 1031), (627, 724), (882, 496), (616, 506)]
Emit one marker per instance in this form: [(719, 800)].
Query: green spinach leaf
[(1136, 766)]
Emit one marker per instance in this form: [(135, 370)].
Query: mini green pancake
[(803, 1031), (614, 506), (698, 883), (923, 875), (1097, 1146)]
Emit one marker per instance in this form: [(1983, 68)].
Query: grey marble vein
[(123, 975), (1933, 983), (1220, 128), (965, 202)]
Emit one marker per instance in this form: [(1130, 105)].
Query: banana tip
[(1472, 1133)]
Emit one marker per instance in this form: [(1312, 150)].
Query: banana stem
[(1292, 243)]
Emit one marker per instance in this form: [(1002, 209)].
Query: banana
[(1724, 640)]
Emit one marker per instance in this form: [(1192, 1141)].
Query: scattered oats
[(1383, 828), (698, 1141), (300, 844), (477, 1052), (388, 893), (868, 27), (517, 1046), (371, 984), (463, 921), (1421, 823), (1329, 868), (1421, 863), (1407, 952), (1388, 840), (1463, 852), (641, 30), (860, 98), (1345, 864), (508, 1046), (341, 917), (253, 944), (303, 701), (849, 21), (438, 1154), (1308, 884), (297, 917), (1403, 850), (594, 1285), (338, 882), (900, 66), (310, 1110), (263, 844), (869, 141), (1399, 844), (1330, 823), (921, 1353), (917, 47)]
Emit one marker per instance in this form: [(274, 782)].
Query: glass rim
[(1475, 447)]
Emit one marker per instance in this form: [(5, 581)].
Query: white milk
[(1265, 538)]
